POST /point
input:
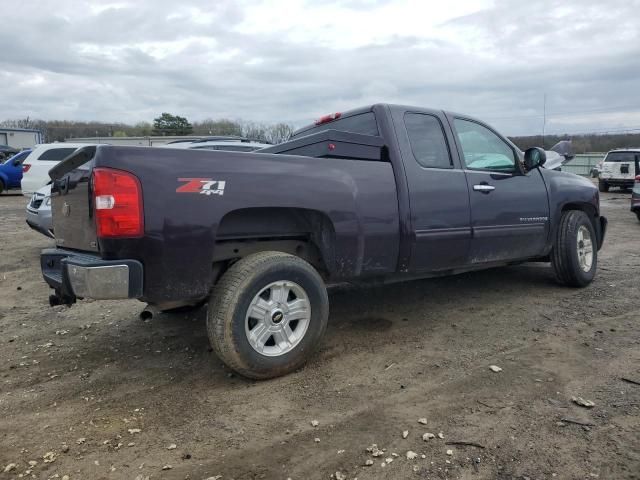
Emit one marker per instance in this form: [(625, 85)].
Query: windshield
[(622, 156)]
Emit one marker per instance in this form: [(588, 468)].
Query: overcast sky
[(292, 61)]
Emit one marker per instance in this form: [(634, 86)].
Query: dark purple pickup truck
[(382, 193)]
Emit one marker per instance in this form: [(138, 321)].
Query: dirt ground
[(109, 394)]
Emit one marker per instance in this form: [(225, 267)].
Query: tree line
[(584, 143), (169, 124), (164, 124)]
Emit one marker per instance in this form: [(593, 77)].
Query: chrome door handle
[(484, 188)]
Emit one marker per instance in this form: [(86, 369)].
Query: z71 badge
[(205, 186)]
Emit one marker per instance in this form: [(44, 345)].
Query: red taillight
[(25, 167), (117, 199), (328, 118), (638, 179)]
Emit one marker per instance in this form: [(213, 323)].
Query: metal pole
[(544, 117)]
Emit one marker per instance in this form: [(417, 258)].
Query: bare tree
[(279, 133)]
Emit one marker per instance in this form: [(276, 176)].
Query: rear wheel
[(638, 214), (575, 254), (603, 186), (1, 186), (267, 314)]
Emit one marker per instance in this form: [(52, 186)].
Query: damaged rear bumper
[(79, 275)]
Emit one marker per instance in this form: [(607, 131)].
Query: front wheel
[(638, 214), (267, 314), (603, 186), (575, 254)]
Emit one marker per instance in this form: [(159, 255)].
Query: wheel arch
[(306, 233), (593, 215)]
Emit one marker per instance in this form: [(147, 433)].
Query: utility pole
[(544, 117)]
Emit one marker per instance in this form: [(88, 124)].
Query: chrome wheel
[(585, 248), (278, 318)]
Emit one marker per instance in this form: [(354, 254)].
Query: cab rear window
[(364, 123), (622, 156)]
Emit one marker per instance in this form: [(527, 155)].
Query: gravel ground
[(94, 392)]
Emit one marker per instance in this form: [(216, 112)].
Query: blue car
[(11, 171)]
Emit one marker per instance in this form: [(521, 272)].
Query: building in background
[(20, 138)]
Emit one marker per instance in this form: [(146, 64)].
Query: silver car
[(39, 211)]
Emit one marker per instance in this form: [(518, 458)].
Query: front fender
[(569, 191)]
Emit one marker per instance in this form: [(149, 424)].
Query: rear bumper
[(618, 182), (79, 275)]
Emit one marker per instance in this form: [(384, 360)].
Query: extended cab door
[(509, 209), (439, 199)]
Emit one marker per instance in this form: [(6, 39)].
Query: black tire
[(1, 186), (230, 302), (565, 256), (603, 186), (638, 214)]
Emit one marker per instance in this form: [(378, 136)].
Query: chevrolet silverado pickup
[(378, 194)]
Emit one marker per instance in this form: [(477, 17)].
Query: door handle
[(484, 188)]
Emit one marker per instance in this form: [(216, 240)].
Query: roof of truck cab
[(392, 106)]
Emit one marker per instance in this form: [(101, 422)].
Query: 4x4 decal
[(205, 186)]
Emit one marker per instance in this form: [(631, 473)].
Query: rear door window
[(56, 154), (427, 140)]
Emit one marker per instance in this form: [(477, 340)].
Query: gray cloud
[(133, 60)]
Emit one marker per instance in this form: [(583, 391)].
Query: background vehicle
[(6, 151), (635, 198), (11, 171), (231, 144), (619, 169), (39, 211), (560, 153), (381, 193), (41, 159)]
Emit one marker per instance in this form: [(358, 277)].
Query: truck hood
[(566, 178)]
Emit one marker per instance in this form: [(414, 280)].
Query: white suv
[(41, 159), (619, 169)]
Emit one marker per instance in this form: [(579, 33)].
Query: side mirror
[(534, 157), (16, 163)]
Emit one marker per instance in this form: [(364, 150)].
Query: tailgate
[(71, 201)]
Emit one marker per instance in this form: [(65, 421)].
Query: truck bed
[(345, 211)]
